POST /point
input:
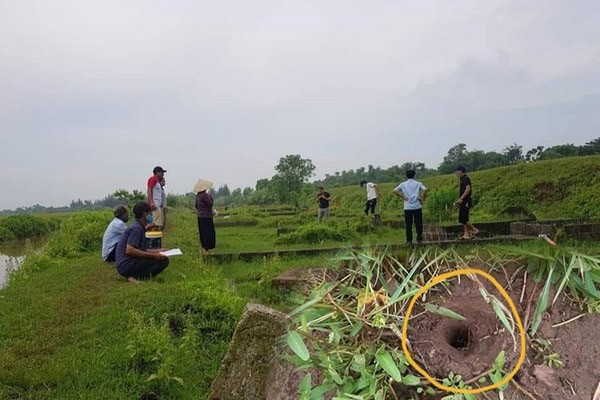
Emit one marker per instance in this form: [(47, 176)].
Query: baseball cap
[(461, 168), (158, 169)]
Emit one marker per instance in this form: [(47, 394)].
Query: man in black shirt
[(465, 203), (323, 199)]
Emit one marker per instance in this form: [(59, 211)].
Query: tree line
[(291, 180)]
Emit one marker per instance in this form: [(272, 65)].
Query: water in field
[(12, 256)]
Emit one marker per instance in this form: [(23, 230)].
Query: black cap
[(461, 168), (158, 169)]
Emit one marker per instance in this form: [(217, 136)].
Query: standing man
[(323, 199), (372, 195), (464, 203), (113, 233), (154, 196), (413, 193), (134, 259), (164, 202)]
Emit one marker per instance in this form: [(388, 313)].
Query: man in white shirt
[(164, 203), (113, 232), (372, 195), (413, 193)]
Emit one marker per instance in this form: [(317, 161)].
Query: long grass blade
[(567, 276), (541, 305), (444, 312)]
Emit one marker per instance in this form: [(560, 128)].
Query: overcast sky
[(94, 94)]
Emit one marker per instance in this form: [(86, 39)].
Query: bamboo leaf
[(411, 380), (541, 305), (566, 277), (499, 361), (294, 340), (319, 294), (386, 361), (356, 328), (305, 384), (443, 311)]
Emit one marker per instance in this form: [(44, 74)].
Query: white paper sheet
[(172, 252)]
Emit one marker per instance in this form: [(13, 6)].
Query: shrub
[(26, 226), (6, 234), (82, 232), (440, 204)]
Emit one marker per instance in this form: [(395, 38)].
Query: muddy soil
[(469, 348)]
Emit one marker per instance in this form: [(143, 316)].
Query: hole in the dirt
[(460, 337)]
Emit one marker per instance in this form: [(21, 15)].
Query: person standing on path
[(205, 214), (372, 196), (154, 196), (134, 260), (323, 199), (164, 203), (464, 203), (413, 193)]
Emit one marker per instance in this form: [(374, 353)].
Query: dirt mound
[(468, 348)]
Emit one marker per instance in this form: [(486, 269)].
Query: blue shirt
[(411, 189), (111, 237), (135, 235)]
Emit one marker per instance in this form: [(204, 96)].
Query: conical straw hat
[(202, 185)]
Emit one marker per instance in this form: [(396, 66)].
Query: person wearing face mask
[(134, 260), (113, 232)]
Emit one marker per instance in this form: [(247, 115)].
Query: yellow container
[(154, 240)]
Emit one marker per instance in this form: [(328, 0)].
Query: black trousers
[(112, 255), (144, 268), (370, 205), (206, 231), (417, 217)]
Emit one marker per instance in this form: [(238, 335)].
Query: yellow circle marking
[(434, 282)]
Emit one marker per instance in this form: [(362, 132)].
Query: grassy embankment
[(562, 188), (70, 328)]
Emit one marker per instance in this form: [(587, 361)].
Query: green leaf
[(294, 340), (565, 279), (305, 384), (335, 376), (356, 328), (320, 390), (470, 396), (499, 361), (177, 379), (541, 305), (319, 294), (411, 380), (444, 312), (387, 363)]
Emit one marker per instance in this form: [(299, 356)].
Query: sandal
[(465, 238)]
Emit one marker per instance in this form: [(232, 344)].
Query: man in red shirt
[(154, 196)]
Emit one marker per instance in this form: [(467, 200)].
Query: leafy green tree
[(534, 154), (513, 154), (456, 155), (590, 148), (292, 172), (560, 151), (223, 191)]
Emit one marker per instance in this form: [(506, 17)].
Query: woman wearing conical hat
[(205, 213)]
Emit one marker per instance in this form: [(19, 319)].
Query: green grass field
[(71, 328)]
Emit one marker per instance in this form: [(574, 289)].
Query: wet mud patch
[(467, 347)]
